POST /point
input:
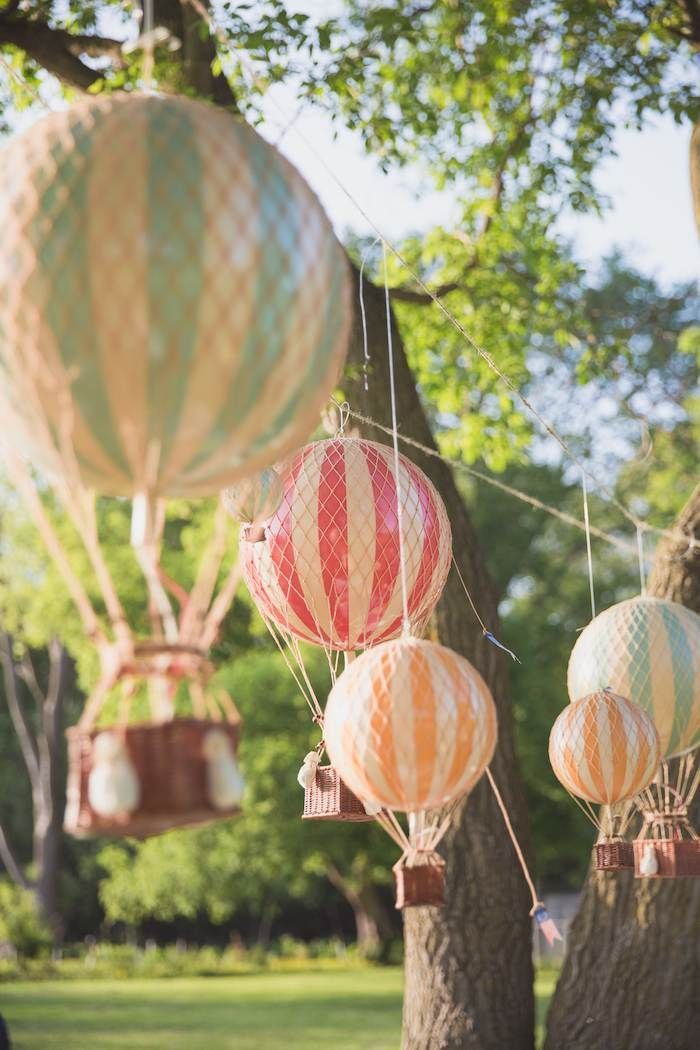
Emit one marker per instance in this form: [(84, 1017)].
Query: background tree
[(512, 105)]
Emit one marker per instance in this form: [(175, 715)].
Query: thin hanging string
[(487, 634), (536, 902), (588, 543), (365, 343), (148, 40), (395, 438), (642, 566)]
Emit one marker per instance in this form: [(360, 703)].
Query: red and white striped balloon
[(328, 570)]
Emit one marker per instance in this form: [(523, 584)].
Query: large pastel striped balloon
[(604, 748), (647, 649), (174, 305), (329, 570), (410, 725)]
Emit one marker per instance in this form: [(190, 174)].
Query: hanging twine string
[(147, 38), (538, 910), (588, 543), (642, 566), (487, 634), (395, 439), (363, 314)]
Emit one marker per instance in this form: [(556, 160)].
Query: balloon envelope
[(604, 748), (646, 649), (174, 305), (410, 725), (253, 499), (329, 569)]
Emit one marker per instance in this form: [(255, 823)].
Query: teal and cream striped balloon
[(174, 305), (647, 649)]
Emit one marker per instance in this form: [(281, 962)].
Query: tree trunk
[(372, 925), (468, 974), (632, 971), (40, 742)]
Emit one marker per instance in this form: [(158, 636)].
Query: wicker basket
[(677, 858), (328, 798), (613, 855), (172, 771), (421, 882)]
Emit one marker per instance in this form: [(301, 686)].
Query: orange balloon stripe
[(381, 724), (591, 752), (424, 704), (618, 754), (464, 737)]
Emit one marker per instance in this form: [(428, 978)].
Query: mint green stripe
[(682, 664), (63, 250), (318, 363), (276, 289), (175, 263), (640, 664)]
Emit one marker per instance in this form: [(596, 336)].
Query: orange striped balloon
[(410, 725), (604, 748)]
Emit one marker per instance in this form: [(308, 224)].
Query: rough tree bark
[(39, 736), (632, 971), (468, 981)]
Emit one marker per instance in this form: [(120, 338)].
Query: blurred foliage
[(21, 927)]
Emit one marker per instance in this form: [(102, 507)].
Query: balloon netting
[(410, 725), (329, 570), (174, 306), (646, 649), (603, 748)]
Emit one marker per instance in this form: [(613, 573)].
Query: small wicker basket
[(676, 858), (613, 855), (420, 882), (329, 798)]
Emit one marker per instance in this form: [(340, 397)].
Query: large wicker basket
[(420, 882), (172, 771), (676, 858), (613, 855), (329, 798), (174, 782)]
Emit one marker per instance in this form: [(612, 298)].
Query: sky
[(650, 214)]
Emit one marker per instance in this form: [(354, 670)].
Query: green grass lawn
[(354, 1009)]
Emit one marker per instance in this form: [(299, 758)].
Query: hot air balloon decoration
[(174, 305), (605, 749), (174, 311), (411, 726), (649, 649), (327, 569)]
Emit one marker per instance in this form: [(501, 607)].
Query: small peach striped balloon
[(604, 748), (410, 725)]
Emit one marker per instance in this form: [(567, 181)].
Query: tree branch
[(12, 866), (27, 741), (415, 295), (57, 50)]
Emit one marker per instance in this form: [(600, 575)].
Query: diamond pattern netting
[(329, 568), (647, 649), (174, 306), (410, 725), (604, 748)]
